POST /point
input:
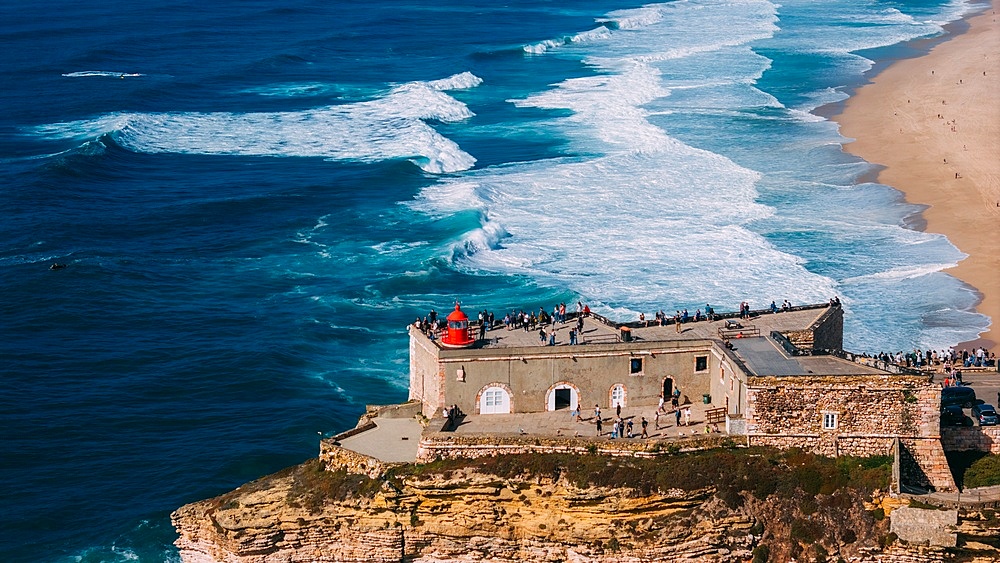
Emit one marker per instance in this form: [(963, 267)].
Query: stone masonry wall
[(961, 439), (449, 446), (828, 331), (828, 445), (923, 463), (865, 405), (871, 412), (915, 525)]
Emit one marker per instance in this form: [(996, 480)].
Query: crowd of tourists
[(944, 360)]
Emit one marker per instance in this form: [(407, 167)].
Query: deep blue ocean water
[(254, 198)]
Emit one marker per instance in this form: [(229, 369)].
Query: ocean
[(253, 199)]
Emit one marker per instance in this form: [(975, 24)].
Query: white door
[(494, 401), (617, 396), (563, 397)]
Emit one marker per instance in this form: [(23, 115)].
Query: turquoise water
[(253, 200)]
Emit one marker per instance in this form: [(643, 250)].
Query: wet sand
[(933, 122)]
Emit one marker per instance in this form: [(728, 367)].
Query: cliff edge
[(707, 506)]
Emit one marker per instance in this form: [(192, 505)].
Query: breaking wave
[(390, 127)]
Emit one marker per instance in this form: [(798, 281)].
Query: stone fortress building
[(770, 378)]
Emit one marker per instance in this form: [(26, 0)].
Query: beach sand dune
[(934, 123)]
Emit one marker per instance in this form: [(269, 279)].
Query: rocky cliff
[(730, 506)]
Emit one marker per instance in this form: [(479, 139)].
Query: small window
[(635, 366), (701, 363), (829, 421)]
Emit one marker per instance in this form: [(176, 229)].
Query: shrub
[(984, 472), (761, 554), (806, 531), (613, 546)]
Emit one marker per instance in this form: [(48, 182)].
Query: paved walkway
[(981, 496), (393, 440), (562, 423)]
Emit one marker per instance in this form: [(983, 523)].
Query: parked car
[(958, 395), (985, 414), (953, 415)]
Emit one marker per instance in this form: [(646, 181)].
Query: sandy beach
[(934, 123)]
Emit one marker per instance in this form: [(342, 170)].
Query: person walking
[(645, 428), (599, 426), (677, 414)]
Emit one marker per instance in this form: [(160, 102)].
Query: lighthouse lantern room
[(457, 335)]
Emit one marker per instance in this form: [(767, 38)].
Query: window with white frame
[(829, 421), (700, 363)]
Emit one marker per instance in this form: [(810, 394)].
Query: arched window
[(618, 395), (494, 400)]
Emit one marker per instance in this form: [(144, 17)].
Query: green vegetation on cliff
[(985, 472), (733, 473), (759, 471)]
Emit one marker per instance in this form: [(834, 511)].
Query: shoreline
[(932, 125)]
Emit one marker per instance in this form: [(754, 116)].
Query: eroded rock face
[(471, 517)]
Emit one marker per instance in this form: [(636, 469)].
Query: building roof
[(598, 330), (763, 356)]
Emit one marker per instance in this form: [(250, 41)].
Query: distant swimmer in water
[(122, 76), (57, 266)]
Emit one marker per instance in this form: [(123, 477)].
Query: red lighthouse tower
[(457, 335)]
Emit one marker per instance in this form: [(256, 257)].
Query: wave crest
[(393, 126)]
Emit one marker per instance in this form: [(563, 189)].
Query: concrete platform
[(392, 440)]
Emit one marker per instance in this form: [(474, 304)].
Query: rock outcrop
[(463, 515), (715, 506)]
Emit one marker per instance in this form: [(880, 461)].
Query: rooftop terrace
[(599, 330)]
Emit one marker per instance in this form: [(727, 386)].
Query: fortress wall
[(923, 463), (530, 372), (972, 438), (470, 446), (832, 446), (864, 405), (828, 330), (426, 374)]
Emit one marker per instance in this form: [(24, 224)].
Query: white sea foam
[(902, 273), (596, 34), (104, 73), (636, 18), (461, 81), (642, 220), (392, 126)]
